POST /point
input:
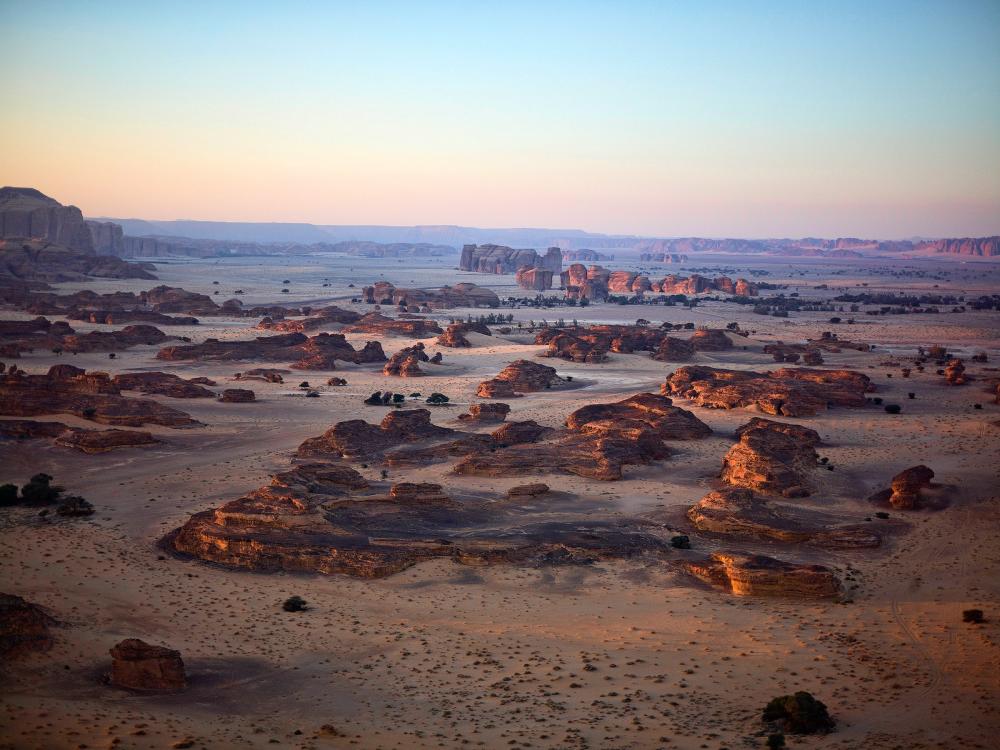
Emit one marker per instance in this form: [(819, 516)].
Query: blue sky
[(752, 119)]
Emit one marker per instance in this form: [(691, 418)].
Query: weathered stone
[(137, 665)]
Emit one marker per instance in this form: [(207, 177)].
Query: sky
[(745, 119)]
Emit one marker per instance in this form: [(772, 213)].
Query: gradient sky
[(873, 119)]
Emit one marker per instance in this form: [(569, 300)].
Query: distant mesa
[(597, 283), (586, 256), (459, 295)]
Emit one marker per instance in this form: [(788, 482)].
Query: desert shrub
[(911, 395), (680, 542), (893, 408), (974, 616), (8, 494), (74, 505), (294, 604), (39, 491), (882, 514), (776, 741)]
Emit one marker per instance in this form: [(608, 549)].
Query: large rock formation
[(406, 362), (739, 513), (519, 377), (502, 259), (378, 324), (600, 282), (790, 392), (137, 665), (486, 413), (323, 518), (27, 213), (164, 384), (592, 343), (460, 295), (69, 390), (759, 575), (357, 439), (455, 334), (667, 421), (41, 261), (83, 440), (772, 457), (534, 279), (319, 352), (24, 627)]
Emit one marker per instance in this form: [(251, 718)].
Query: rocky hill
[(26, 213)]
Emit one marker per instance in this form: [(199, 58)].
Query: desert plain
[(623, 650)]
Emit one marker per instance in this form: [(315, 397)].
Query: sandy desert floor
[(613, 655)]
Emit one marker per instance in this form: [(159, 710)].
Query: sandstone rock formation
[(954, 372), (307, 522), (319, 352), (527, 490), (460, 295), (758, 575), (112, 341), (772, 457), (500, 259), (137, 665), (905, 491), (164, 384), (41, 261), (658, 413), (520, 376), (24, 627), (455, 334), (84, 440), (69, 390), (790, 392), (406, 362), (486, 413), (357, 439), (378, 324), (237, 396), (534, 279), (600, 282), (27, 213), (575, 349), (741, 514), (591, 343)]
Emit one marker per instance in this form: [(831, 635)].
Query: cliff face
[(107, 237), (501, 259), (987, 247), (27, 213)]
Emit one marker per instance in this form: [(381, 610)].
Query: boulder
[(484, 413), (24, 627), (137, 665), (520, 376), (237, 396), (772, 457), (758, 575)]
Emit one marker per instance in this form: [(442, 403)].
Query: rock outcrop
[(739, 513), (905, 491), (164, 384), (319, 352), (772, 457), (460, 295), (378, 324), (24, 627), (790, 392), (600, 282), (667, 422), (519, 377), (357, 439), (137, 665), (83, 440), (237, 396), (29, 214), (501, 259), (406, 362), (534, 279), (455, 334), (69, 390), (24, 260), (486, 413), (758, 575)]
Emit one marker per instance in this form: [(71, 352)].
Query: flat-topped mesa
[(534, 279), (465, 294), (356, 439), (69, 390), (164, 384), (905, 491), (668, 422), (740, 513), (583, 254), (771, 457), (500, 259), (376, 323), (455, 334), (319, 352), (406, 362), (790, 392), (519, 377), (758, 575), (663, 257), (77, 438)]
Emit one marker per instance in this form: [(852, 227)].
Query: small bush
[(294, 604), (8, 494), (38, 491), (800, 713), (893, 408), (974, 616), (436, 399), (776, 741), (680, 542)]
